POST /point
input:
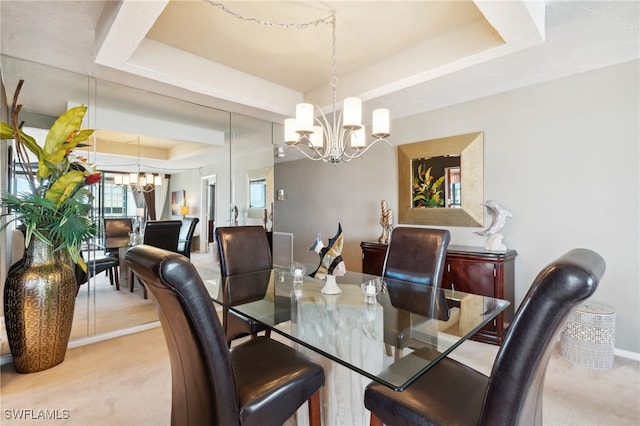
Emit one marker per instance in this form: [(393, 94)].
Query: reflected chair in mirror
[(116, 233), (452, 393), (259, 382), (97, 263), (242, 249), (185, 239), (163, 234), (416, 255)]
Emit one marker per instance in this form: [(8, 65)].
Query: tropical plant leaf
[(64, 186), (64, 135)]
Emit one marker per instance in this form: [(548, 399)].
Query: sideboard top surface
[(462, 250)]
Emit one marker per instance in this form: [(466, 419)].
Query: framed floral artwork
[(440, 181)]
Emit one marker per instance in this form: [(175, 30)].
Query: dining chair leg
[(314, 410), (374, 421), (398, 353), (116, 274), (388, 349)]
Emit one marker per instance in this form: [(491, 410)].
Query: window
[(115, 200), (258, 193)]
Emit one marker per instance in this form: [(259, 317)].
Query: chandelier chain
[(333, 79), (336, 139), (326, 20)]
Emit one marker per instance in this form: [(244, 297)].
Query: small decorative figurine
[(235, 215), (499, 217), (331, 263), (271, 217), (386, 221)]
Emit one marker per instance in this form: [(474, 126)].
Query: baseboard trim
[(635, 356), (76, 343)]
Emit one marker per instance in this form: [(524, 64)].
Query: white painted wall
[(562, 156)]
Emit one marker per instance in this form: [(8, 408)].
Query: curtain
[(161, 196), (150, 200)]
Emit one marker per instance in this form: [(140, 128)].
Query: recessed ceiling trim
[(122, 27), (128, 122), (173, 66)]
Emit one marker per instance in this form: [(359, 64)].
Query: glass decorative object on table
[(371, 289), (298, 270)]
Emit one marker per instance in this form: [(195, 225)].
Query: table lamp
[(184, 211)]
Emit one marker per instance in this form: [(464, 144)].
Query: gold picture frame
[(470, 148)]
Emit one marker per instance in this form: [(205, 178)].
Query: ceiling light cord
[(328, 142), (326, 20)]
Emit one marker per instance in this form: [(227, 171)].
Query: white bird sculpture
[(499, 217)]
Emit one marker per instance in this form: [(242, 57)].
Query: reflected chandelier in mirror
[(440, 181)]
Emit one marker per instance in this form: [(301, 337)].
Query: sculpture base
[(331, 287)]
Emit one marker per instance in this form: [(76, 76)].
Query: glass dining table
[(363, 325)]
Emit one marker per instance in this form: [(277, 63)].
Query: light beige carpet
[(127, 381)]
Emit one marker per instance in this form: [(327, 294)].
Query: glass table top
[(360, 326)]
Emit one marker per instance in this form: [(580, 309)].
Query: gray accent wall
[(562, 156)]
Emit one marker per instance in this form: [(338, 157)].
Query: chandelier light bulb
[(357, 138), (137, 181), (304, 118), (316, 139), (380, 125), (290, 134), (352, 113)]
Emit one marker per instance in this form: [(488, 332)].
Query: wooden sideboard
[(468, 269)]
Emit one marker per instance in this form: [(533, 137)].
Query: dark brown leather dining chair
[(116, 233), (163, 234), (185, 238), (242, 250), (96, 264), (452, 393), (259, 382), (416, 255)]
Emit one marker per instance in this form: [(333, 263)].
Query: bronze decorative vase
[(39, 300)]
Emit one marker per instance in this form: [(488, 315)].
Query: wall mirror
[(440, 181), (242, 144)]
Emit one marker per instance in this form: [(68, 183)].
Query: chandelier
[(319, 139), (138, 181), (315, 136)]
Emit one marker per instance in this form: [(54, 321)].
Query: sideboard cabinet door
[(373, 255), (492, 274)]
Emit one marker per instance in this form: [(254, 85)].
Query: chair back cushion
[(116, 232), (514, 392), (417, 255), (243, 249), (203, 387), (162, 234), (186, 235)]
